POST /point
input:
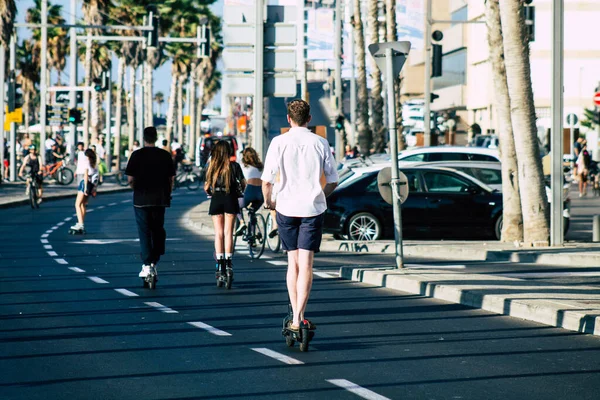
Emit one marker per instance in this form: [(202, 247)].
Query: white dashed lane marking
[(61, 261), (161, 308), (68, 219), (100, 207), (96, 279), (357, 390), (112, 204), (277, 262), (278, 356), (48, 247), (210, 329), (126, 292), (45, 235), (44, 241), (60, 224), (52, 253), (75, 269), (48, 231)]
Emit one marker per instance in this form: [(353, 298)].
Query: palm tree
[(159, 98), (391, 35), (8, 14), (28, 62), (365, 138), (512, 227), (377, 100), (518, 73)]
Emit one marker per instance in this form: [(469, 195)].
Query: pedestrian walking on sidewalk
[(583, 168), (150, 173), (87, 187), (300, 158), (225, 183)]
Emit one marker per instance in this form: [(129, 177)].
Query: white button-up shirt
[(300, 157)]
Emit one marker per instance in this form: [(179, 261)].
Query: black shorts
[(222, 203), (300, 232)]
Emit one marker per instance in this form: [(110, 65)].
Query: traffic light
[(74, 116), (433, 97), (436, 63), (152, 36), (529, 14), (14, 96), (339, 122), (204, 48), (101, 83)]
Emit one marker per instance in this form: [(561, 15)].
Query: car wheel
[(498, 227), (364, 227)]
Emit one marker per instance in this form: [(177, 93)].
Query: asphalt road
[(76, 324)]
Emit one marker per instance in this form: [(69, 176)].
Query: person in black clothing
[(150, 173), (225, 183)]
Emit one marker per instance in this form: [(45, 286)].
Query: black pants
[(150, 223)]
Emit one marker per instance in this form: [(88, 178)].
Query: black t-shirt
[(152, 169)]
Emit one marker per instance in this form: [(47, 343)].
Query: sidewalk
[(12, 194)]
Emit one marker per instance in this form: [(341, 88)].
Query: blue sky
[(162, 77)]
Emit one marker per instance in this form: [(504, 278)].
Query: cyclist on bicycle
[(36, 171), (252, 168), (225, 183)]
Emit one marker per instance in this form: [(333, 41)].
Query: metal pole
[(43, 83), (140, 115), (108, 147), (189, 113), (2, 89), (259, 76), (13, 126), (427, 91), (556, 207), (389, 60), (352, 138), (339, 151), (302, 53), (73, 78)]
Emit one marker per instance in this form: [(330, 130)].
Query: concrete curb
[(60, 196), (496, 294)]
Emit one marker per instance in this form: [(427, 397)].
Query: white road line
[(61, 261), (126, 292), (432, 266), (48, 246), (550, 274), (89, 210), (210, 329), (49, 231), (100, 207), (162, 308), (277, 262), (96, 279), (44, 241), (75, 269), (278, 356), (263, 257), (52, 253), (45, 235), (243, 252), (112, 204), (324, 274), (240, 247), (126, 201), (68, 219), (357, 390), (61, 223), (54, 228)]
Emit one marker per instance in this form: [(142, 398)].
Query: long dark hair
[(250, 157), (91, 155), (219, 165)]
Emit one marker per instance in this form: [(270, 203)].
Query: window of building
[(454, 70), (462, 14)]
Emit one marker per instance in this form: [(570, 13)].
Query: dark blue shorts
[(300, 232)]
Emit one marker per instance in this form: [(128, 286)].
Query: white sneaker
[(145, 271), (77, 227)]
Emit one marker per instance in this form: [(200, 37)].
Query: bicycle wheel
[(65, 176), (193, 181), (122, 178), (236, 225), (258, 234), (33, 195), (26, 173), (274, 243)]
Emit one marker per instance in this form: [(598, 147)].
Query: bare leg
[(580, 184), (218, 221), (228, 232), (292, 283), (304, 283), (79, 209)]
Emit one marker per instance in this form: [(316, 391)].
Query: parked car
[(442, 203), (448, 153)]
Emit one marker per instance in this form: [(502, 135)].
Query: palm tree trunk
[(131, 107), (377, 100), (365, 138), (179, 124), (149, 75), (95, 116), (518, 73), (512, 227), (87, 67), (171, 107), (119, 111)]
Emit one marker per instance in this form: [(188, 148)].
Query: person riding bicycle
[(252, 168), (225, 183), (36, 171)]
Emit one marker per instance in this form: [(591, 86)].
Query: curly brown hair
[(250, 157), (299, 111)]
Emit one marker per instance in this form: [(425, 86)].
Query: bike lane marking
[(277, 356), (126, 292), (44, 241), (97, 279), (161, 308), (75, 269), (209, 328), (357, 390), (52, 253), (61, 261), (48, 247)]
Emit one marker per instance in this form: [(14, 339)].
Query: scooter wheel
[(305, 339), (228, 282), (289, 341), (152, 283)]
